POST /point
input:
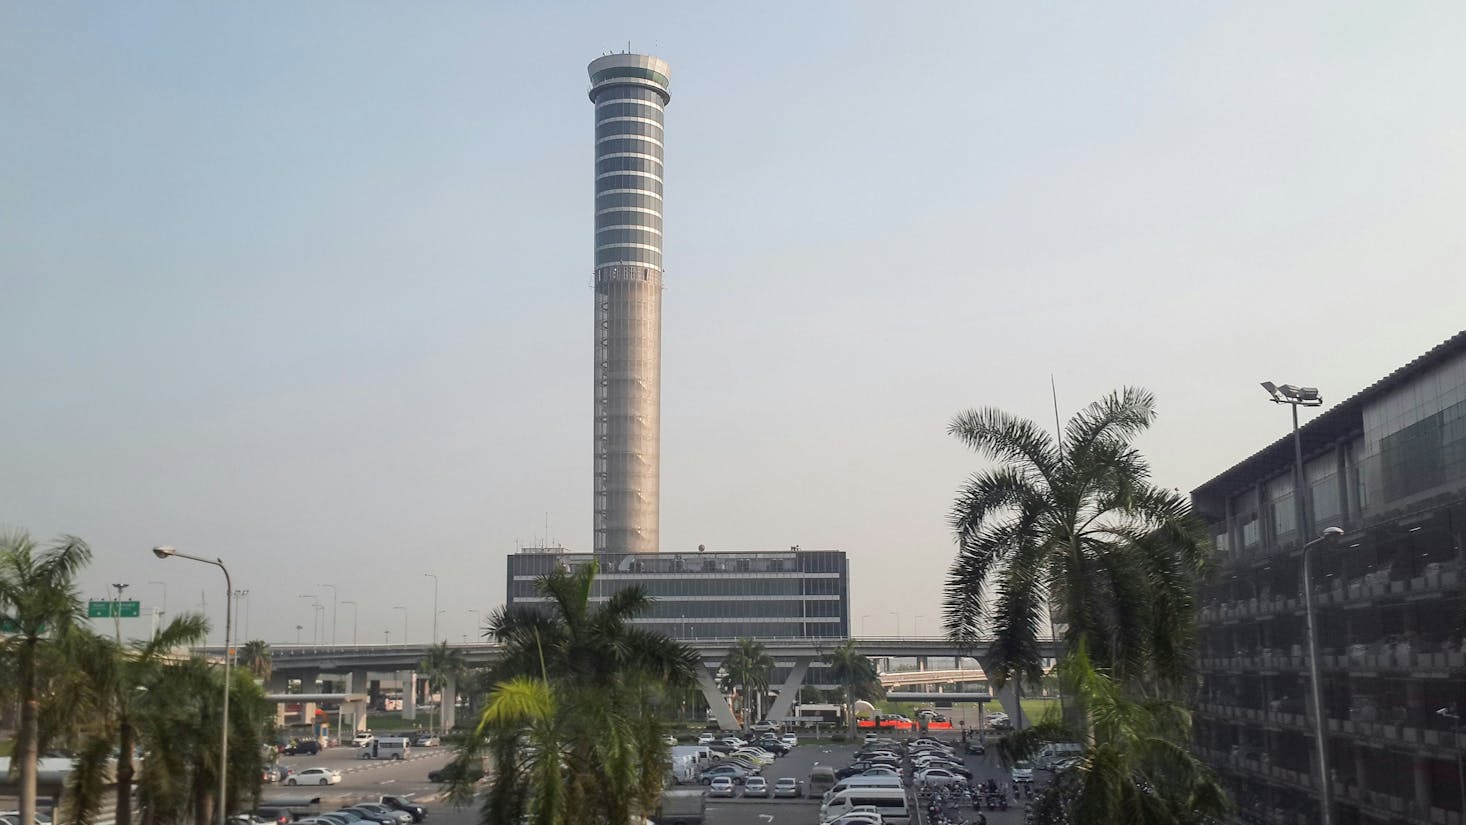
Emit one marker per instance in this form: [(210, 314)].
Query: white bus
[(890, 803)]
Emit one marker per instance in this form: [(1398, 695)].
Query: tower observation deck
[(630, 93)]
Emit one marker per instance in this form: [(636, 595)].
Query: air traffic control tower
[(630, 93)]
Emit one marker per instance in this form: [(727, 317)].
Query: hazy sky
[(306, 286)]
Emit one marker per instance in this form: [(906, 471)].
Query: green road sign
[(110, 609)]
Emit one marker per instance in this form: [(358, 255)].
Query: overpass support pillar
[(1009, 695), (409, 695), (921, 663), (789, 691), (717, 703), (448, 704), (356, 682)]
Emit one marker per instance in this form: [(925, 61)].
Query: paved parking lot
[(806, 811)]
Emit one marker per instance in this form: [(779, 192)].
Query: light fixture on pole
[(334, 608), (434, 577), (353, 619), (1295, 397), (164, 552)]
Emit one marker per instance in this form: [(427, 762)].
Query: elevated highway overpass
[(792, 655)]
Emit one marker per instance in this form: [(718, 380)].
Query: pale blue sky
[(307, 285)]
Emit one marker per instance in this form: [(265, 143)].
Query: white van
[(386, 747), (889, 802), (880, 780), (1055, 752)]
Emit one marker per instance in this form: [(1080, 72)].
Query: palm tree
[(856, 675), (442, 665), (117, 679), (1072, 532), (257, 659), (1138, 766), (38, 603), (576, 717), (747, 668)]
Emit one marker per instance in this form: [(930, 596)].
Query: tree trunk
[(124, 772), (850, 710), (25, 745)]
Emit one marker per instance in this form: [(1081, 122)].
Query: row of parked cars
[(740, 764), (387, 810)]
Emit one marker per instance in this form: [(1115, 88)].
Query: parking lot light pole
[(1296, 397), (1447, 713), (163, 552)]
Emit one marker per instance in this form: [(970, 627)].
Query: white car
[(1022, 771), (314, 776), (789, 740), (362, 738), (933, 777), (706, 739), (756, 786), (758, 756), (722, 786), (786, 786)]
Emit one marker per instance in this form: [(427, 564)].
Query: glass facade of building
[(700, 596), (1388, 467), (630, 111)]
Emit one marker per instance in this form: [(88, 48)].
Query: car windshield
[(1023, 766)]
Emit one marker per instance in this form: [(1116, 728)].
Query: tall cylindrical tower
[(630, 92)]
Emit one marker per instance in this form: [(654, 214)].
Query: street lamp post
[(1296, 397), (353, 619), (164, 552), (404, 621), (334, 608), (1455, 717), (434, 577), (316, 607)]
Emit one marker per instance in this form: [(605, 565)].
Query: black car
[(772, 745), (456, 770), (976, 747), (419, 812), (304, 746)]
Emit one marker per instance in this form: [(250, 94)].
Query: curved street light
[(164, 552)]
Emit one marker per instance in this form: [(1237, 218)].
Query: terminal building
[(710, 600), (1388, 467), (791, 594)]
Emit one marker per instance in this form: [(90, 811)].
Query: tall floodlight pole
[(630, 93), (1296, 397), (239, 596), (434, 577), (353, 619), (164, 552), (333, 611), (117, 610)]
